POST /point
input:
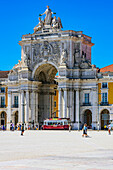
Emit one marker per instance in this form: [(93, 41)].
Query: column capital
[(21, 91), (71, 89), (32, 91), (77, 89), (65, 88), (27, 90), (59, 89), (9, 93)]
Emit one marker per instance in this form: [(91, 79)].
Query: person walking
[(12, 126), (69, 128), (3, 127), (85, 130), (22, 132), (109, 129)]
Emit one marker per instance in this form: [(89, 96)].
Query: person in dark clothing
[(22, 132)]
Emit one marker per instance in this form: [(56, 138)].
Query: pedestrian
[(12, 126), (85, 130), (3, 127), (109, 129), (22, 132), (42, 127), (20, 127), (69, 128)]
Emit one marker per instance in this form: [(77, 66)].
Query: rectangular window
[(54, 104), (104, 85), (2, 90), (16, 100), (2, 101), (86, 97), (104, 97)]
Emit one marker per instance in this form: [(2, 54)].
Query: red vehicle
[(55, 124)]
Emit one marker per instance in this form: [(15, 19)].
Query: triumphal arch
[(45, 53)]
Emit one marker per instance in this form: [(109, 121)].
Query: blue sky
[(93, 17)]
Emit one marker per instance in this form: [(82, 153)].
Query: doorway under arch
[(88, 118), (104, 118), (45, 74), (3, 118)]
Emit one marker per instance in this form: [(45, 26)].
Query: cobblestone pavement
[(56, 150)]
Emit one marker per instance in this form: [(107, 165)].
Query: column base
[(76, 126), (8, 126), (95, 125)]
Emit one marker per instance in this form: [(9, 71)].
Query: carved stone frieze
[(46, 51)]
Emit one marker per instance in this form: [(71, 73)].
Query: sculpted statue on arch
[(48, 17), (48, 21), (56, 23), (39, 26)]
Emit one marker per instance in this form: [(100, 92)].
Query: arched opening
[(88, 118), (3, 118), (104, 118), (45, 74)]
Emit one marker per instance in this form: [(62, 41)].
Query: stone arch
[(37, 66), (3, 118), (87, 117), (104, 117), (100, 110), (45, 73)]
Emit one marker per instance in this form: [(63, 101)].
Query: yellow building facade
[(105, 99)]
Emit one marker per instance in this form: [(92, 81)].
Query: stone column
[(78, 108), (9, 111), (50, 105), (33, 106), (60, 103), (65, 103), (30, 97), (19, 101), (22, 107), (71, 104), (95, 110), (27, 107), (36, 118)]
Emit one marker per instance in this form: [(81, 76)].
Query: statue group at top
[(49, 21)]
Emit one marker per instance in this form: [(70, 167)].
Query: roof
[(4, 74), (107, 68)]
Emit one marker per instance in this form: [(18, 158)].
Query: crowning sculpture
[(39, 26), (48, 17), (49, 22)]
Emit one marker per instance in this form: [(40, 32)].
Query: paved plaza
[(55, 150)]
